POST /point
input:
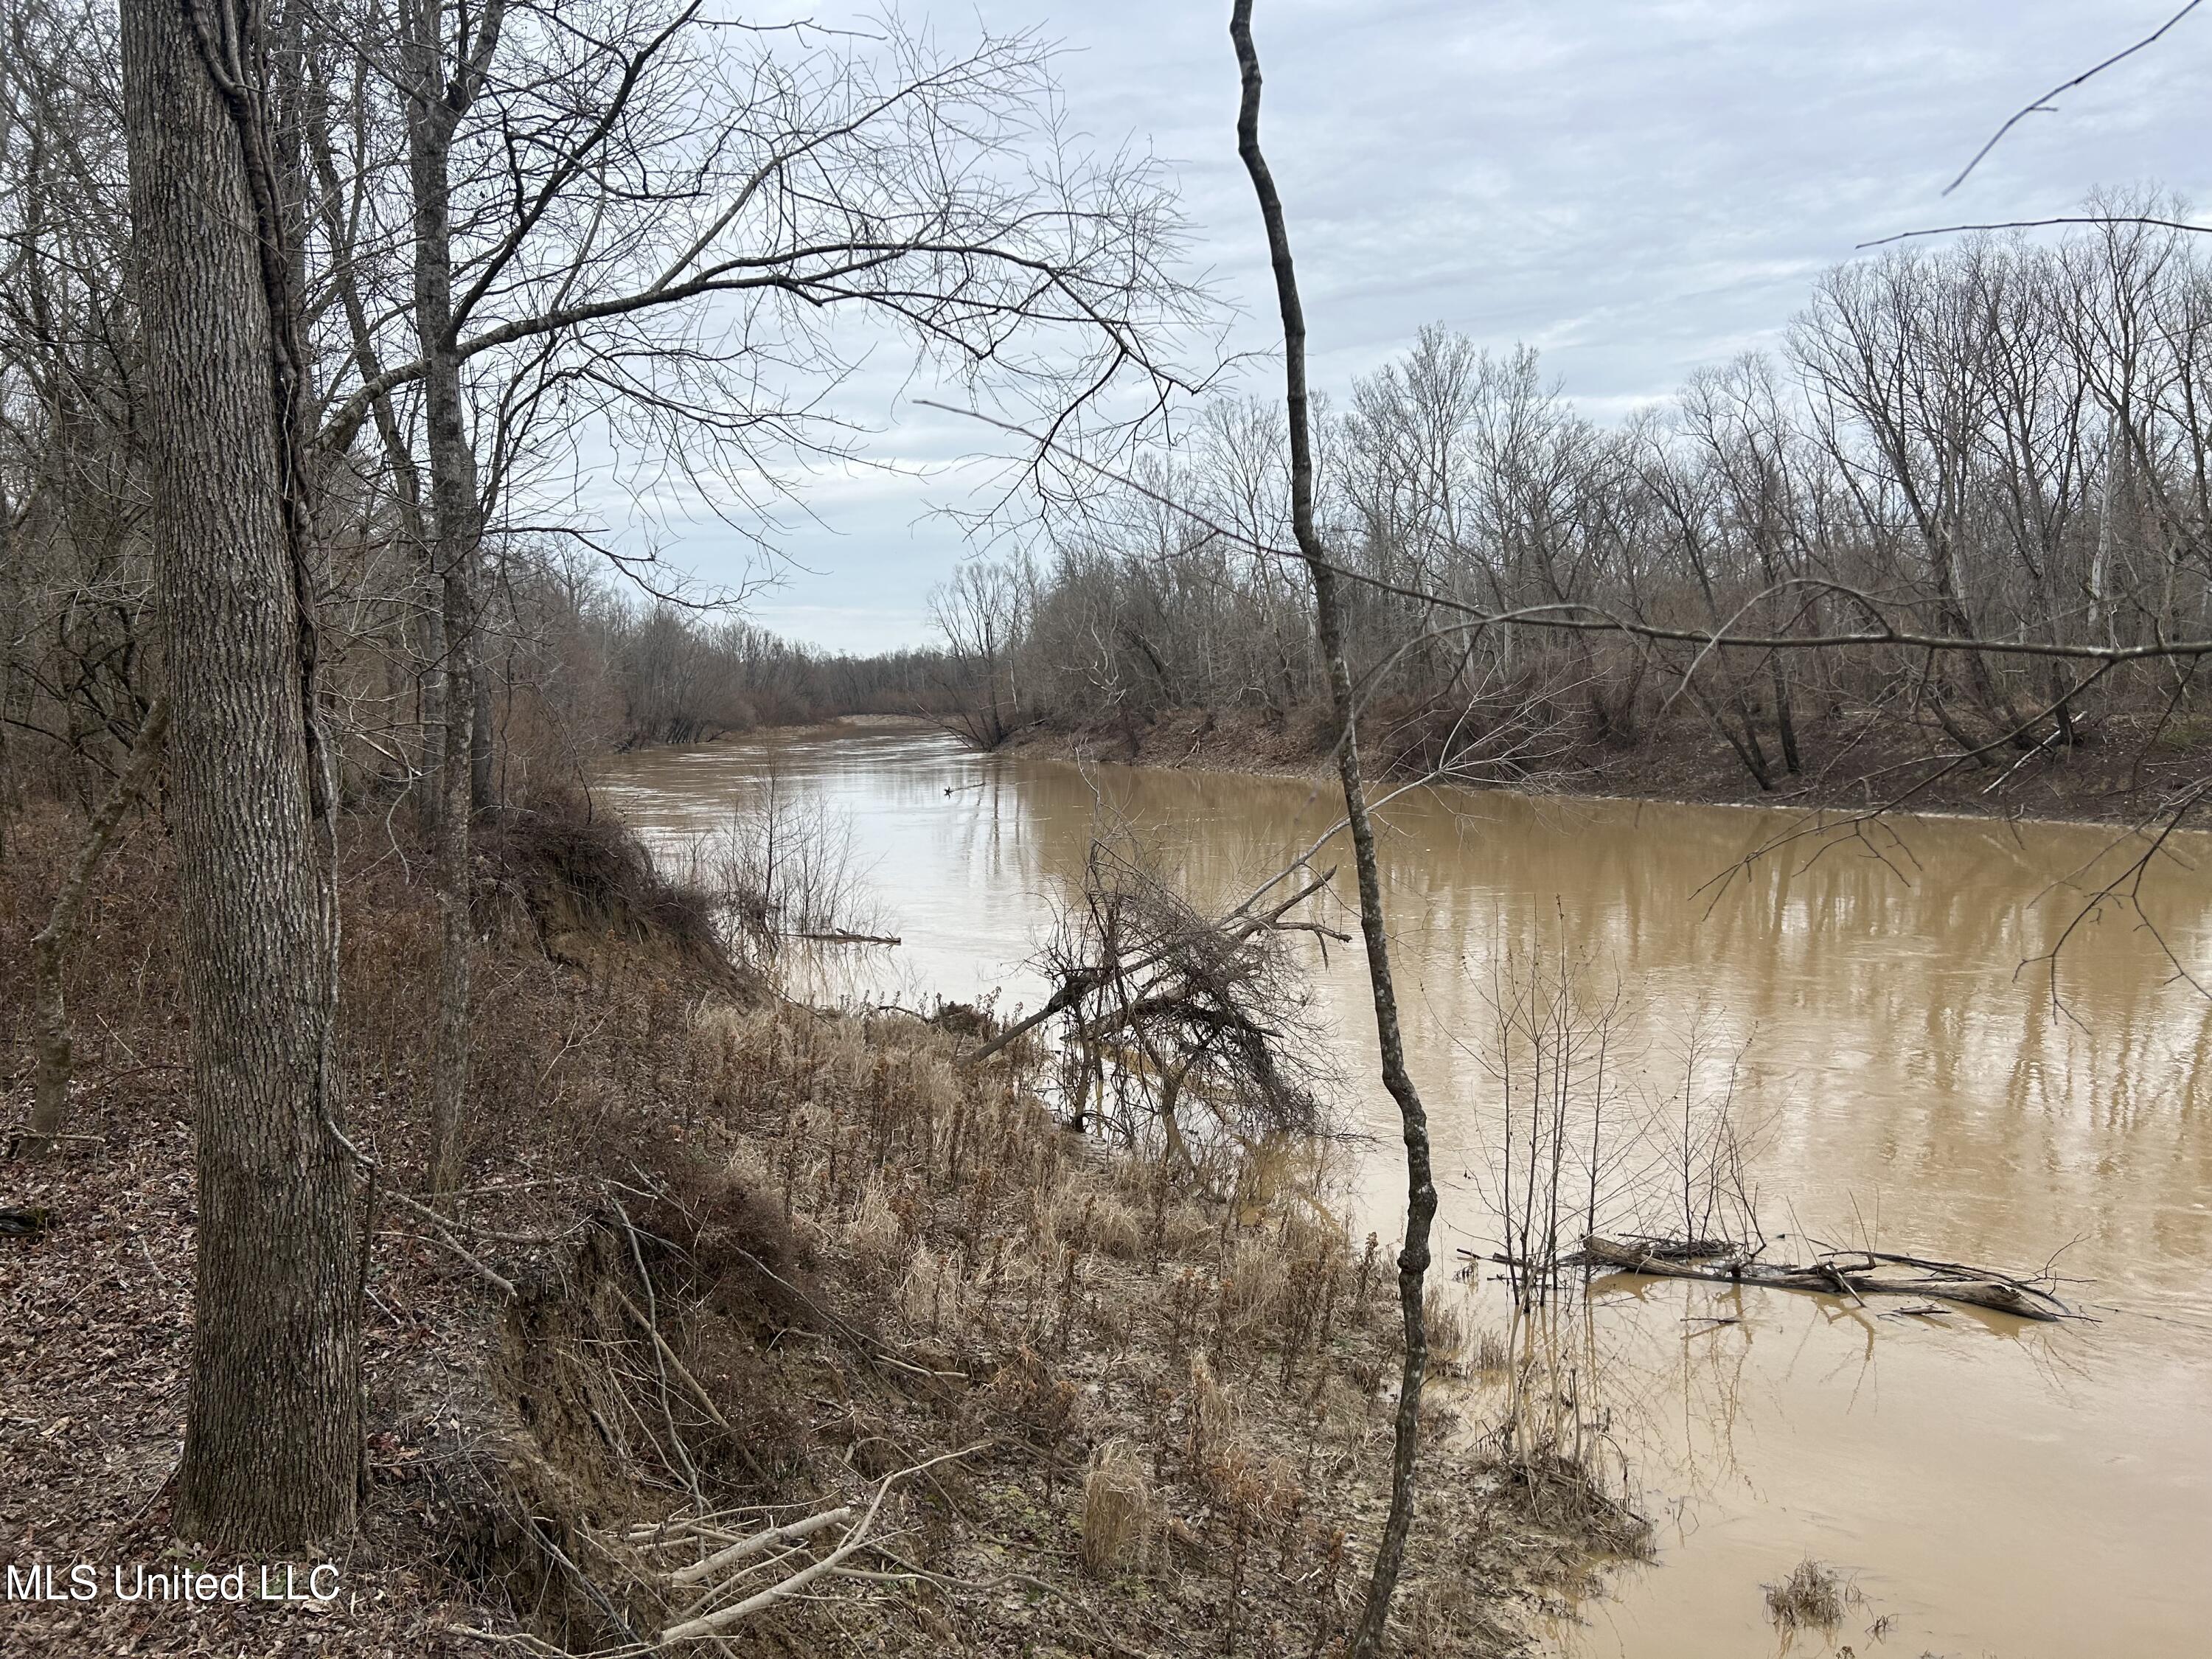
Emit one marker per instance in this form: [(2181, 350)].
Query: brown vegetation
[(761, 1260), (1813, 1596)]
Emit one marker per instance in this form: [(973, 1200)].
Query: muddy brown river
[(1992, 1488)]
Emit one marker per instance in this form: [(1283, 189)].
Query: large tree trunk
[(272, 1432), (449, 1065), (1329, 616)]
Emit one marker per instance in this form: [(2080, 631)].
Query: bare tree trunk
[(482, 795), (273, 1431), (435, 104), (11, 604), (1420, 1188), (422, 617), (430, 629), (1785, 718), (49, 946), (1743, 741), (449, 1066)]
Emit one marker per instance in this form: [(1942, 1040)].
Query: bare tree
[(983, 614), (1374, 922), (1195, 1027), (272, 1444)]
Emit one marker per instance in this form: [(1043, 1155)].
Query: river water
[(1993, 1488)]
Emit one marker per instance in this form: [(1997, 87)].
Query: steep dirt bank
[(763, 1259), (2127, 769)]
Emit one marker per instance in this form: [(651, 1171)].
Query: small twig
[(503, 1285), (598, 1596), (661, 1354)]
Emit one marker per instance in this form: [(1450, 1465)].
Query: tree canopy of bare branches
[(1966, 505)]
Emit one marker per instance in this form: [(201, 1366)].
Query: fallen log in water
[(1856, 1274)]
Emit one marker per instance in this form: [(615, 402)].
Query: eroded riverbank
[(1993, 1488), (733, 1265)]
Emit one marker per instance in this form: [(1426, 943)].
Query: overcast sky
[(1635, 188)]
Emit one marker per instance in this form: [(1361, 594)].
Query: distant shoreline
[(1678, 770), (2092, 786)]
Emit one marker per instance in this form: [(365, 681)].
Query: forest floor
[(2129, 769), (764, 1260)]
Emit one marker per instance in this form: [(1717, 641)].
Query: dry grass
[(1119, 1515), (1100, 1221), (1254, 1293), (1490, 1355), (1813, 1596), (1449, 1614), (1552, 1450), (1209, 1419), (1447, 1332), (874, 1237), (857, 1255)]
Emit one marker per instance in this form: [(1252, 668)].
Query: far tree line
[(2001, 440)]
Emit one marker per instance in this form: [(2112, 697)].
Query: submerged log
[(1853, 1273)]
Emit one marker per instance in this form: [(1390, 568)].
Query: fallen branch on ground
[(854, 1539), (790, 1533)]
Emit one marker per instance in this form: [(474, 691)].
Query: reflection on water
[(1996, 1487)]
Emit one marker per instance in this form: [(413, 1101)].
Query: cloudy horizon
[(1634, 190)]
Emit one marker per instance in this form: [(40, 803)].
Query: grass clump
[(1813, 1596), (1447, 1332), (1119, 1515), (1489, 1354)]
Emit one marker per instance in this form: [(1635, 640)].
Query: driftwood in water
[(1855, 1273)]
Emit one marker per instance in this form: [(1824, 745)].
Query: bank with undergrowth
[(723, 1263)]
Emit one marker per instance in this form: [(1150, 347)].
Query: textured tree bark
[(1785, 719), (449, 1063), (430, 712), (50, 945), (1328, 619), (272, 1432), (436, 101)]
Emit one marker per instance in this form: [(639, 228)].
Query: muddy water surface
[(1993, 1488)]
